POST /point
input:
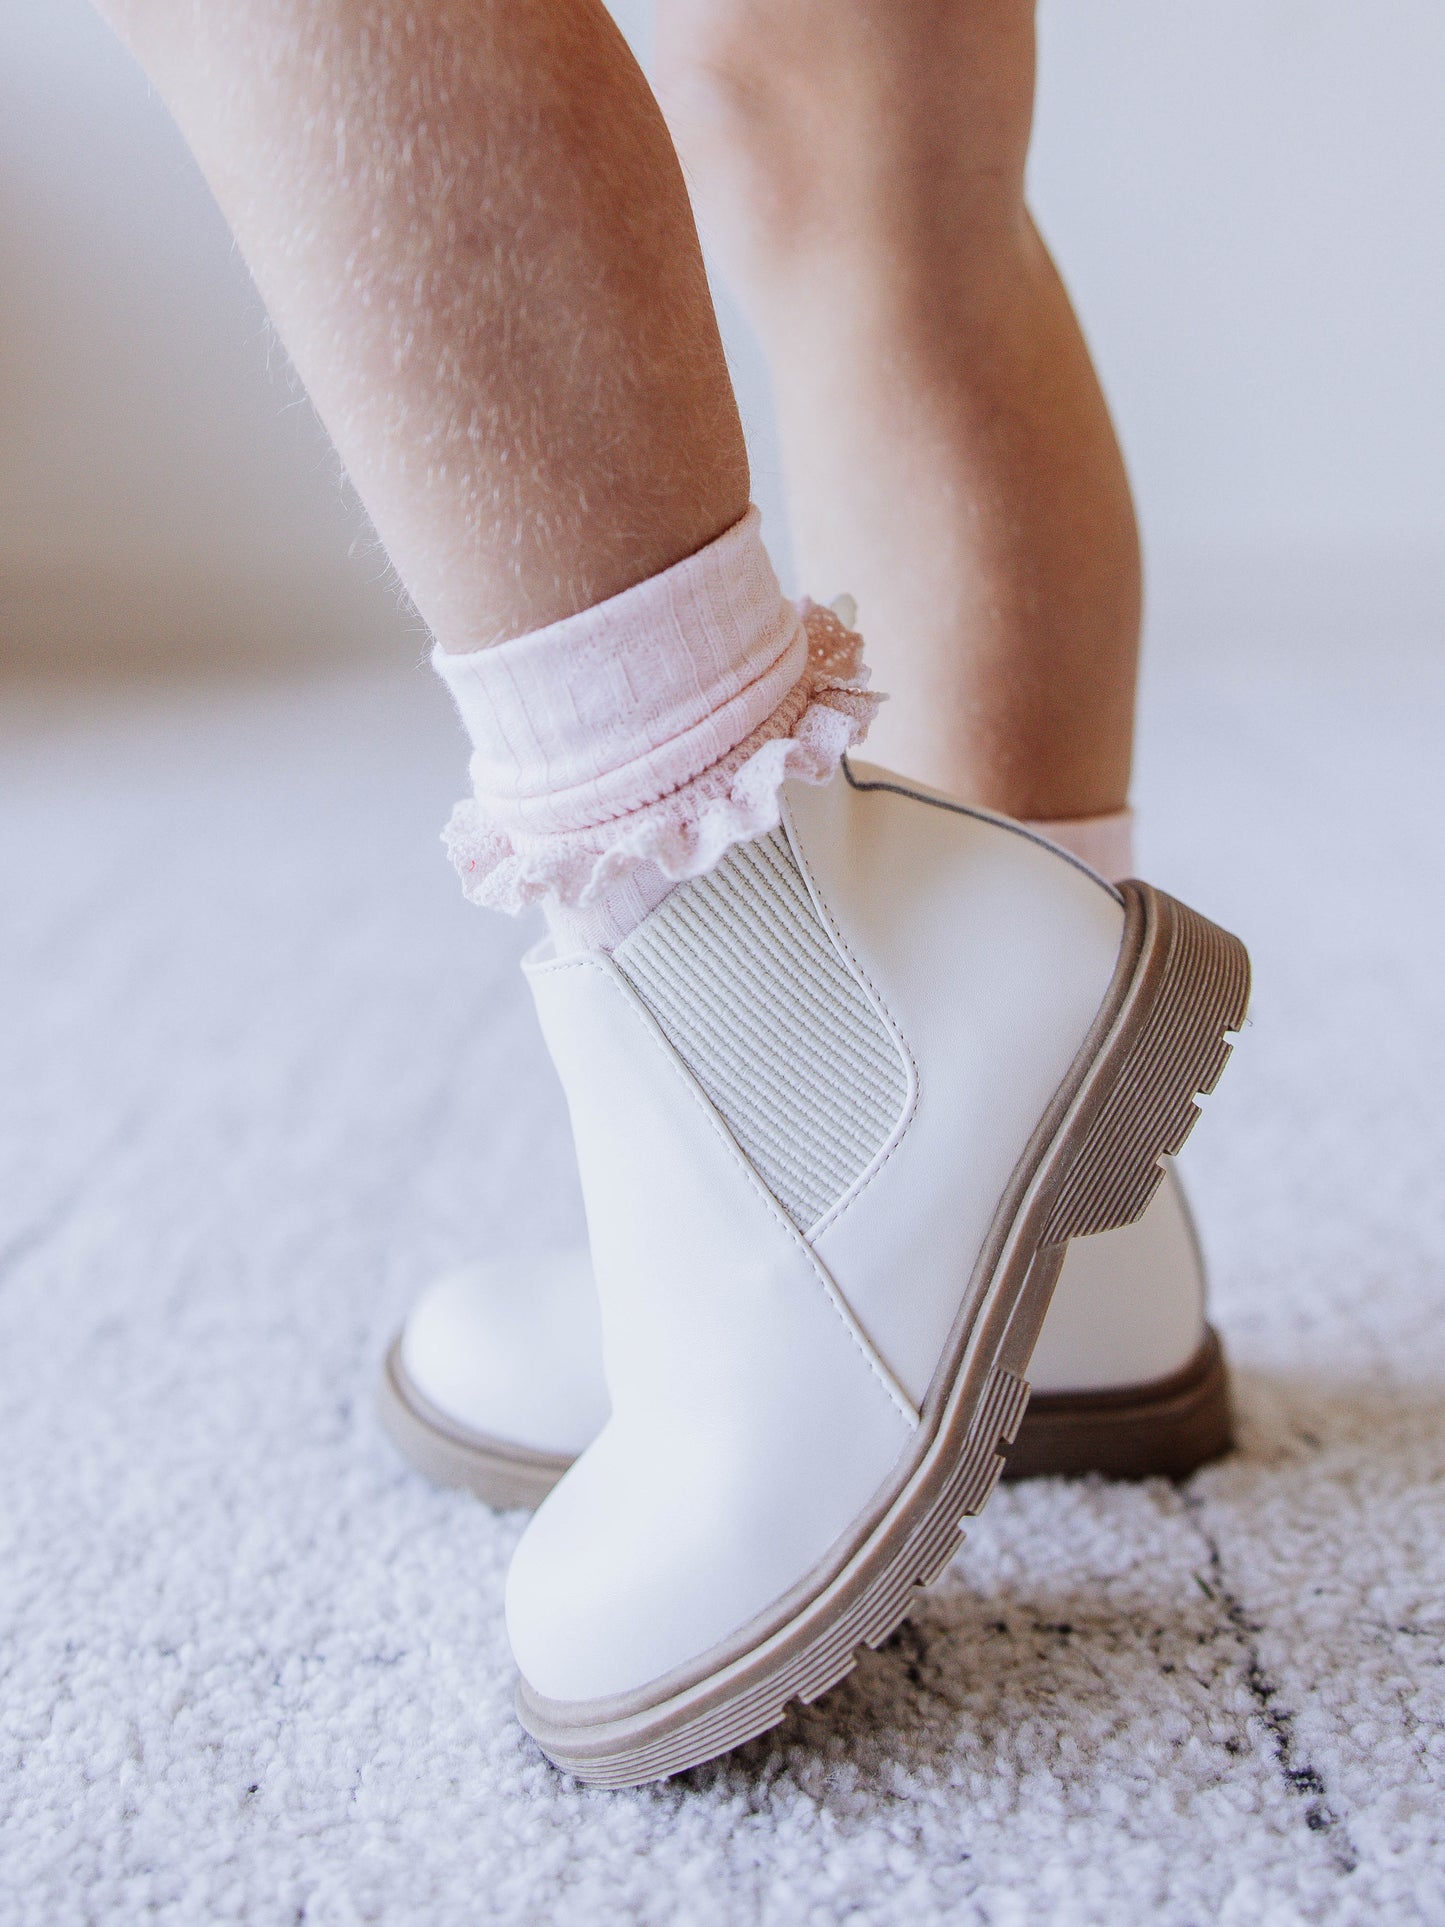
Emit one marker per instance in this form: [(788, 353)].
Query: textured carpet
[(261, 1072)]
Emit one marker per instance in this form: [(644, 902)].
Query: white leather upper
[(750, 1421), (1129, 1304), (754, 1372), (513, 1350), (991, 955)]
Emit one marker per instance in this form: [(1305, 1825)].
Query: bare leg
[(860, 164), (470, 229)]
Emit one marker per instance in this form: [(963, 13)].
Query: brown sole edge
[(1163, 1428), (1093, 1164), (1166, 1428)]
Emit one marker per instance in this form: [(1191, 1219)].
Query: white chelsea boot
[(838, 1106), (494, 1383)]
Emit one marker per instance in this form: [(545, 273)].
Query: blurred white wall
[(165, 494), (1248, 198)]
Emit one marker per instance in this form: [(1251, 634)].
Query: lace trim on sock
[(684, 834)]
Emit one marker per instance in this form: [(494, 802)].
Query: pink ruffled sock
[(627, 747)]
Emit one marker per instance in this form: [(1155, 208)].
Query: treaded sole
[(1092, 1165)]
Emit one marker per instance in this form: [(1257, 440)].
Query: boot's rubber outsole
[(1092, 1164), (1162, 1428)]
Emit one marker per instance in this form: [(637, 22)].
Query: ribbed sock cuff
[(629, 746)]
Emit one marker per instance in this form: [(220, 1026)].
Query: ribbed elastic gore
[(740, 973)]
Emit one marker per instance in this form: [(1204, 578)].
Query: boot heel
[(1167, 1042)]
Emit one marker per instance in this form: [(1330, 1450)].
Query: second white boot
[(495, 1382)]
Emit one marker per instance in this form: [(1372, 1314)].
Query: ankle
[(1036, 761)]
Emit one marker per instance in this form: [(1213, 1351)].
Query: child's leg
[(470, 229), (472, 233), (951, 461)]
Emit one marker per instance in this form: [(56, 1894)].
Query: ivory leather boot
[(838, 1107), (495, 1383)]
